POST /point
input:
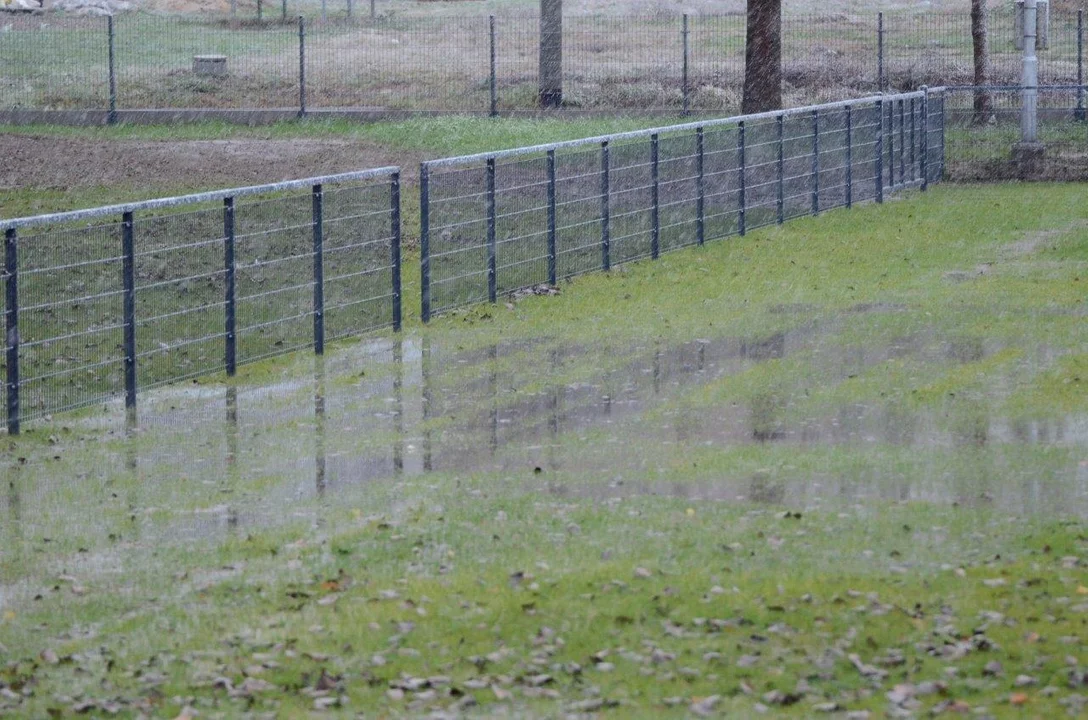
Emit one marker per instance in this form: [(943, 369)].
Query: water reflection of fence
[(497, 222), (104, 301)]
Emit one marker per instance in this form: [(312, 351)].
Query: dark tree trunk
[(551, 53), (763, 57), (980, 42)]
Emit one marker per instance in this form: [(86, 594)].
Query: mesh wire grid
[(502, 222)]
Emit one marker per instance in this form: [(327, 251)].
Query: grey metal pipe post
[(111, 118), (551, 217), (815, 162), (283, 11), (324, 15), (902, 141), (742, 199), (11, 326), (878, 148), (1029, 130), (780, 199), (849, 157), (319, 270), (880, 52), (301, 66), (655, 204), (260, 11), (128, 272), (924, 160), (349, 8), (606, 260), (684, 80), (490, 178), (394, 246), (491, 67), (424, 243), (229, 299), (913, 141), (1079, 114), (373, 12), (891, 143), (700, 188)]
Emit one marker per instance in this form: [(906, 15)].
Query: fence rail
[(489, 65), (107, 301), (494, 223)]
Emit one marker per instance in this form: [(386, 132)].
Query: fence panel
[(498, 222), (129, 297)]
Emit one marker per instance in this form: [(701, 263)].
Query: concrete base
[(1029, 159)]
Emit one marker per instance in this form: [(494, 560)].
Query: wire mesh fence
[(659, 63), (498, 222), (110, 300)]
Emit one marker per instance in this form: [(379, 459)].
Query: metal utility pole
[(1028, 153)]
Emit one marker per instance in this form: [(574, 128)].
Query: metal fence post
[(941, 129), (815, 162), (913, 141), (924, 160), (128, 271), (684, 81), (301, 66), (1079, 113), (551, 217), (700, 188), (902, 141), (230, 326), (283, 12), (394, 246), (655, 204), (319, 271), (742, 200), (780, 199), (373, 12), (878, 148), (890, 135), (324, 16), (849, 156), (606, 260), (424, 243), (491, 67), (11, 326), (349, 8), (880, 52), (111, 118), (490, 172)]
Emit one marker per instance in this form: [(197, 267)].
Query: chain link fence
[(659, 63), (103, 302), (498, 222)]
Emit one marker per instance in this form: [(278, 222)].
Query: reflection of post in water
[(398, 406), (493, 395), (232, 454), (319, 424), (425, 368)]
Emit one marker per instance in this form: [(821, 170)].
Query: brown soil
[(63, 163)]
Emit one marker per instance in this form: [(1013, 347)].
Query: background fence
[(102, 302), (452, 64), (497, 222)]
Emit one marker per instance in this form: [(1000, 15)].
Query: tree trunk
[(980, 42), (551, 53), (763, 57)]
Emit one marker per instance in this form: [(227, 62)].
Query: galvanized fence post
[(128, 271), (913, 141), (941, 128), (815, 162), (849, 156), (11, 326), (880, 52), (324, 15), (394, 246), (260, 11), (319, 270), (606, 260), (490, 172), (878, 148), (780, 200), (655, 205), (301, 66), (1079, 112), (684, 81), (230, 325), (742, 200), (700, 188), (373, 11), (902, 141), (491, 67), (891, 143), (924, 160), (424, 243), (551, 217), (111, 118), (283, 12)]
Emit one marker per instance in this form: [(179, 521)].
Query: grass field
[(837, 466)]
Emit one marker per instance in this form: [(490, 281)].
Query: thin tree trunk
[(763, 57), (980, 42)]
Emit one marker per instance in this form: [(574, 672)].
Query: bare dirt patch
[(32, 161)]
